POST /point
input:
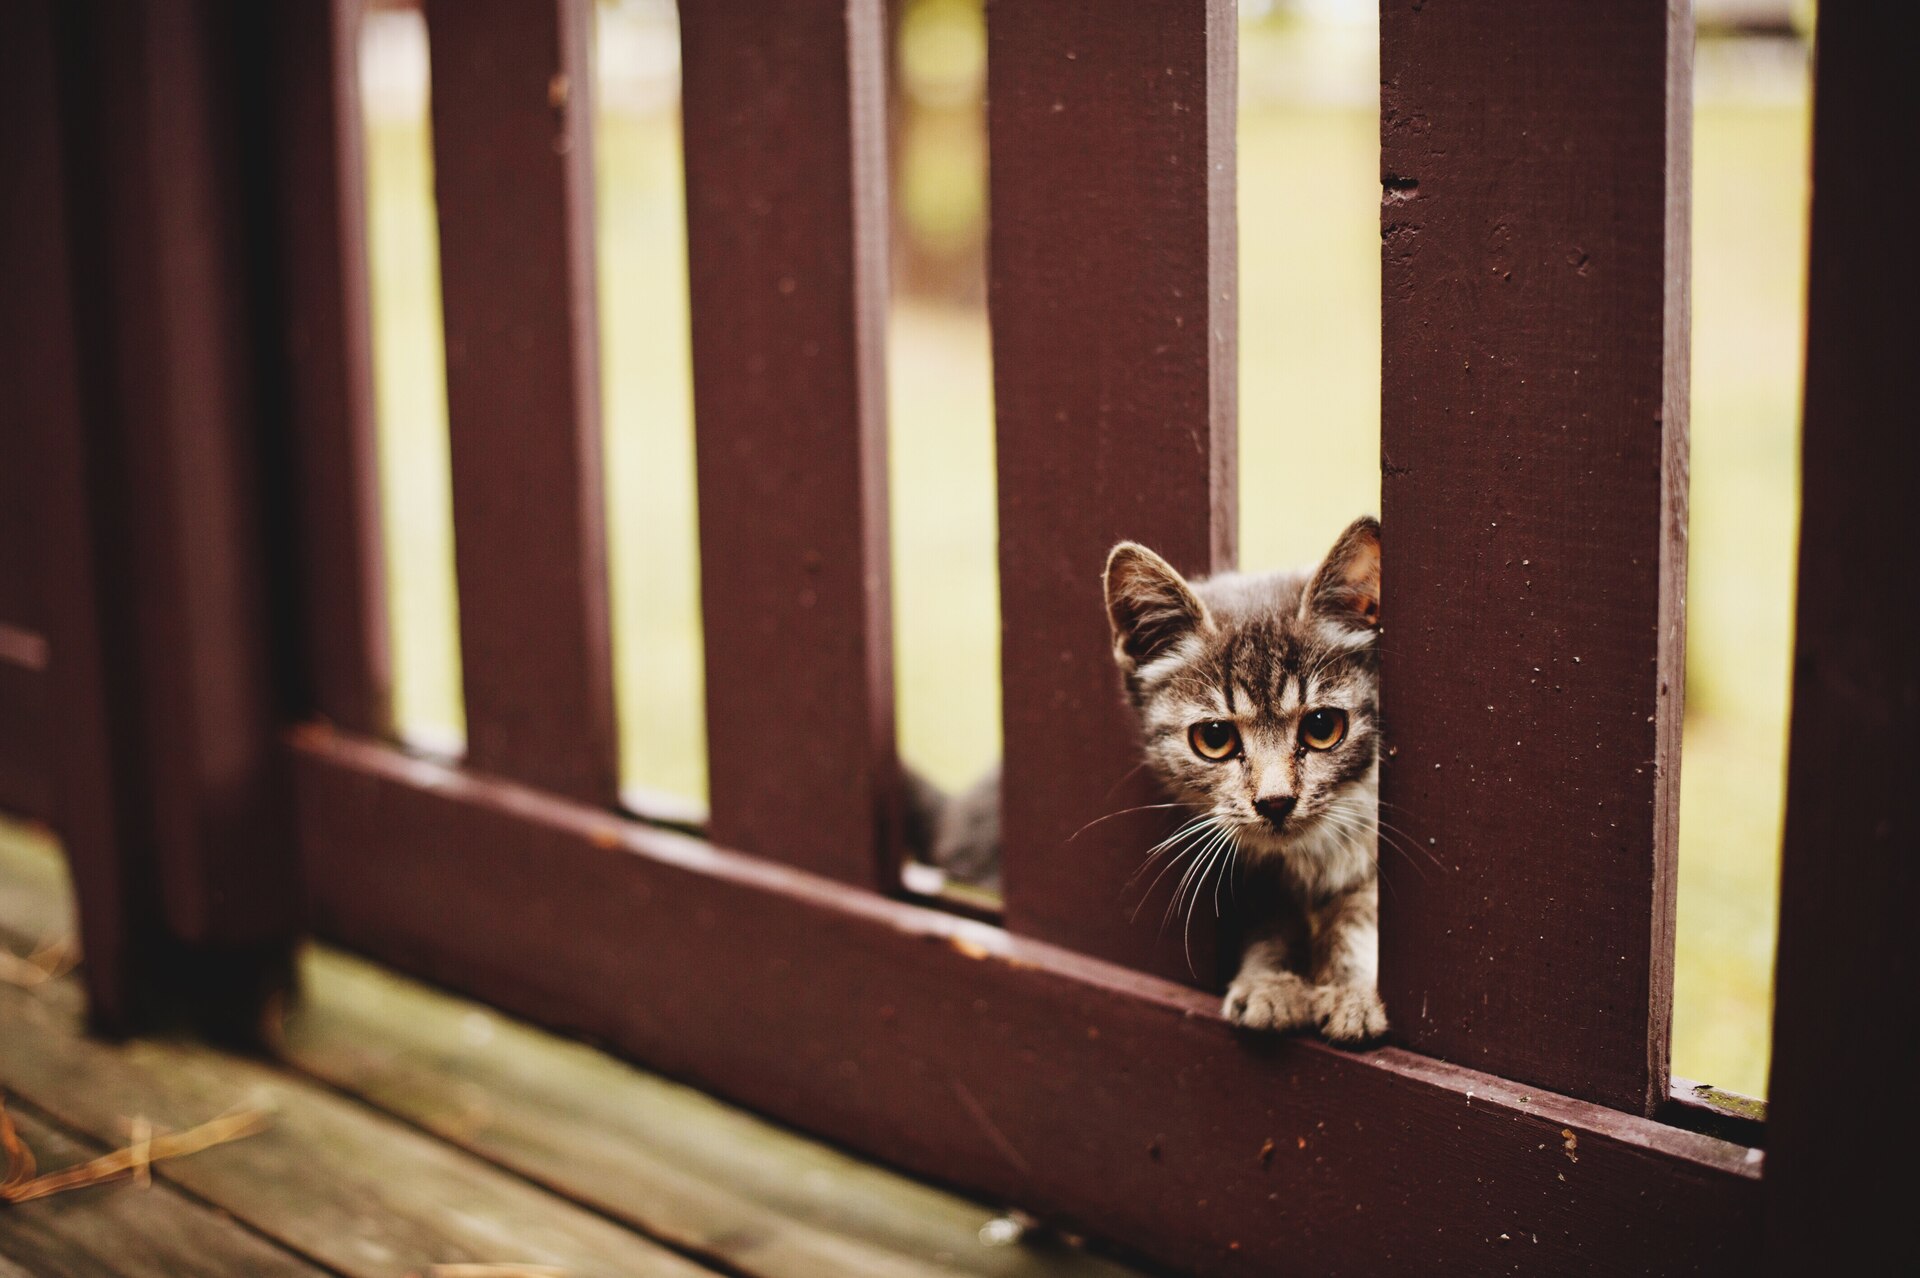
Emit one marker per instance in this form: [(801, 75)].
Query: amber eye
[(1323, 729), (1215, 740)]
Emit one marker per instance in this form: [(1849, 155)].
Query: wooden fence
[(194, 681)]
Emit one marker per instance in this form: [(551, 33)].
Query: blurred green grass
[(1309, 395)]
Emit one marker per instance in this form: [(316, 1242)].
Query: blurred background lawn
[(1309, 413)]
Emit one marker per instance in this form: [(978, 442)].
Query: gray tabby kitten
[(1257, 697)]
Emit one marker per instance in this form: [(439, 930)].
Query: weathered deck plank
[(356, 1191), (667, 1158), (157, 1232), (709, 1179), (362, 1194)]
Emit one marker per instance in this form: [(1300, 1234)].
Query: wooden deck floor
[(410, 1132)]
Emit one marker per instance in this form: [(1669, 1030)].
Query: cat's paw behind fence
[(1269, 1001), (1349, 1013)]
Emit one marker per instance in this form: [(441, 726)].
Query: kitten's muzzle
[(1275, 809)]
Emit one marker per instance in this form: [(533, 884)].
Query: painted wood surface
[(1849, 958), (1534, 174), (149, 496), (320, 185), (513, 182), (784, 105), (1111, 290)]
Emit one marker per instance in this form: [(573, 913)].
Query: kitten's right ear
[(1345, 588), (1149, 604)]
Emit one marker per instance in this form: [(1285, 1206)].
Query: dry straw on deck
[(23, 1183)]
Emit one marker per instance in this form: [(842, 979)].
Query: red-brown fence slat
[(1111, 287), (1849, 960), (46, 438), (1534, 456), (170, 796), (329, 363), (29, 373), (513, 155), (784, 107)]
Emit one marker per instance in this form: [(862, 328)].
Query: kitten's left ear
[(1346, 588)]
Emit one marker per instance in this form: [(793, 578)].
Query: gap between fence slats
[(1839, 1162), (513, 163), (323, 215), (1534, 449), (1111, 288), (784, 115)]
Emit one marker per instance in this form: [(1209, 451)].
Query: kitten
[(1257, 697)]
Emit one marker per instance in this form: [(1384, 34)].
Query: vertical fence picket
[(171, 800), (322, 192), (1848, 960), (784, 106), (36, 372), (1111, 287), (1534, 302), (513, 156), (113, 888), (26, 373)]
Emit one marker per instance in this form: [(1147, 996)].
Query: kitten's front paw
[(1269, 1001), (1349, 1013)]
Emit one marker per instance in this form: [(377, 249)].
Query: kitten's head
[(1257, 695)]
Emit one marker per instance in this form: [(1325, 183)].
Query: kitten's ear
[(1346, 588), (1149, 604)]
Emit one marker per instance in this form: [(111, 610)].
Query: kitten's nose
[(1276, 809)]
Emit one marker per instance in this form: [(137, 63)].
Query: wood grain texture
[(1534, 450), (784, 105), (356, 1193), (326, 319), (1111, 288), (123, 1230), (1849, 960), (1116, 1103), (513, 156)]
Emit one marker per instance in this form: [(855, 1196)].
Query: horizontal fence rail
[(1114, 1102), (1534, 455), (1111, 292)]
